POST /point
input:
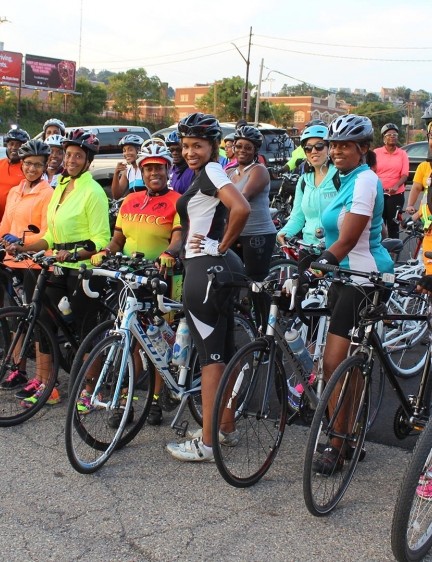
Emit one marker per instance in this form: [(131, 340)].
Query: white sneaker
[(192, 450), (228, 439)]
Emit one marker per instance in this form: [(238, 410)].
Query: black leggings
[(391, 202)]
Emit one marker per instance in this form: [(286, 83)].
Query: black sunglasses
[(319, 146)]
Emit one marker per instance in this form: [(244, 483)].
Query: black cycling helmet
[(389, 127), (173, 138), (34, 148), (355, 128), (16, 134), (200, 125), (55, 123), (86, 140), (249, 133), (314, 122)]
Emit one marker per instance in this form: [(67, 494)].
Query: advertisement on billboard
[(50, 74), (10, 68)]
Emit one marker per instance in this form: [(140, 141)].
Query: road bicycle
[(341, 419), (91, 438), (23, 334)]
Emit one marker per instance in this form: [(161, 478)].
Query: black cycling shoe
[(115, 420), (329, 462), (16, 379), (155, 414), (321, 447)]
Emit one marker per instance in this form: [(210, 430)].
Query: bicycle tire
[(406, 341), (323, 489), (411, 532), (90, 437), (259, 427), (13, 321), (410, 248)]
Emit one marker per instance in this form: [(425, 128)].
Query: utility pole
[(245, 97), (257, 104)]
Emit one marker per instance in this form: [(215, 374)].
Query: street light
[(247, 61)]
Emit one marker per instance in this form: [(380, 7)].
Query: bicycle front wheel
[(249, 415), (411, 536), (336, 436), (101, 412), (20, 352)]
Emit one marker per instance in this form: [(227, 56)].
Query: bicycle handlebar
[(156, 285), (373, 276)]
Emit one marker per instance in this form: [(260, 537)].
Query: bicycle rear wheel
[(411, 535), (249, 415), (405, 341), (17, 337), (94, 433), (340, 422)]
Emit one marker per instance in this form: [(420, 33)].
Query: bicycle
[(343, 411), (22, 333), (253, 396), (90, 439)]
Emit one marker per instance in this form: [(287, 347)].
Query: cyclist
[(422, 177), (10, 167), (352, 223), (229, 150), (181, 175), (314, 191), (256, 242), (298, 154), (147, 222), (127, 175), (392, 168), (55, 160), (207, 237), (26, 205), (77, 212), (53, 126)]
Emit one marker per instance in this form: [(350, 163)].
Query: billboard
[(49, 74), (10, 68)]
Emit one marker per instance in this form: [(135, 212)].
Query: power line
[(339, 56), (392, 48)]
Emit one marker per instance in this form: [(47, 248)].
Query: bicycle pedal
[(182, 428)]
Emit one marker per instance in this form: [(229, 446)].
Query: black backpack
[(336, 182)]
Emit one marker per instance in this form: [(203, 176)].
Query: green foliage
[(381, 113), (92, 99), (128, 88), (223, 99), (303, 89), (277, 114)]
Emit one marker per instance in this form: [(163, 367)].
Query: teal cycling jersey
[(360, 193)]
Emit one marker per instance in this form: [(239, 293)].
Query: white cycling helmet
[(55, 140), (55, 123), (154, 153)]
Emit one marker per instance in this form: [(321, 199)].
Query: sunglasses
[(319, 147)]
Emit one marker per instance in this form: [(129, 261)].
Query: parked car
[(276, 148), (2, 152), (417, 153)]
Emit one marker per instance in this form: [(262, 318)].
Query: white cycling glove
[(210, 247)]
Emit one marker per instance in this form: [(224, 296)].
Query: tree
[(381, 113), (224, 99), (276, 113), (303, 89), (402, 92), (128, 88), (104, 76), (92, 99)]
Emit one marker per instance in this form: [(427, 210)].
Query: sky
[(368, 44)]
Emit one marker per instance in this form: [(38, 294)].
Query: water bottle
[(297, 346), (182, 345), (157, 340), (65, 308)]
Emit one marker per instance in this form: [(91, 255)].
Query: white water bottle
[(158, 342), (297, 346), (65, 308), (182, 345)]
